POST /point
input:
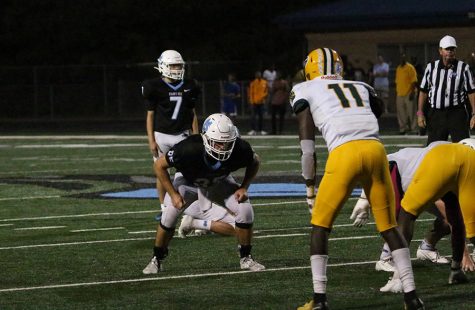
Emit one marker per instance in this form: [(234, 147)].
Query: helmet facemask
[(171, 65)]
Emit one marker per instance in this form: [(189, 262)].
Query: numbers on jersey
[(341, 95), (177, 100)]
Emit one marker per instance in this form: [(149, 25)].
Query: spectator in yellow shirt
[(406, 85), (258, 92)]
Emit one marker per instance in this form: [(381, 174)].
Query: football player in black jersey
[(206, 161), (170, 102)]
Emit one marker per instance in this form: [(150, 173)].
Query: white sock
[(201, 224), (319, 273), (402, 262)]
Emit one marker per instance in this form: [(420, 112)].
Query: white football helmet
[(219, 135), (168, 59), (470, 142)]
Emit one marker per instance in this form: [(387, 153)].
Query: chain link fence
[(102, 91)]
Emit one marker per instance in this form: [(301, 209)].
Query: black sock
[(318, 297), (245, 250), (160, 252), (410, 296)]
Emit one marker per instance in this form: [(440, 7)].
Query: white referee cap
[(447, 42)]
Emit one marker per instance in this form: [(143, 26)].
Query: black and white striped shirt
[(447, 87)]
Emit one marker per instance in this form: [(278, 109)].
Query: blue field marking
[(255, 190)]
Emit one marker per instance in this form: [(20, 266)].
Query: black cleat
[(311, 305), (457, 276), (321, 306), (414, 304)]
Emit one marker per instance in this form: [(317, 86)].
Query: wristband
[(420, 113)]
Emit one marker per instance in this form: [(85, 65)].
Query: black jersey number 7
[(341, 96)]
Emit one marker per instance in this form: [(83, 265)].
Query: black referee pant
[(451, 121)]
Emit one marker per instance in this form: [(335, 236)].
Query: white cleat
[(433, 256), (249, 263), (385, 265), (394, 285), (153, 267), (185, 226)]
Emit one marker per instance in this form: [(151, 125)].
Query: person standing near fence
[(258, 92), (279, 100), (406, 86), (170, 103), (449, 87), (231, 92), (381, 81)]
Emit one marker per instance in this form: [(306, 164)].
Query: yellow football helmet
[(323, 61)]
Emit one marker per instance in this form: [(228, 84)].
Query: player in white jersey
[(345, 113), (403, 166)]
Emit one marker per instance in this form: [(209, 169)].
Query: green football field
[(64, 245)]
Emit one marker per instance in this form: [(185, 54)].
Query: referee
[(448, 84)]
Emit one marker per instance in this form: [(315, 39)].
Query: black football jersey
[(173, 104), (190, 158)]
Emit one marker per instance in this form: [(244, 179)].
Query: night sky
[(49, 32)]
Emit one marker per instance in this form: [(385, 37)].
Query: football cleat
[(311, 306), (200, 232), (457, 276), (385, 265), (394, 285), (433, 256), (153, 267), (249, 263), (414, 304), (185, 226)]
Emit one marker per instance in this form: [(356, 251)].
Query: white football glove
[(361, 212)]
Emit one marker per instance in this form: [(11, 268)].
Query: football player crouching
[(206, 161)]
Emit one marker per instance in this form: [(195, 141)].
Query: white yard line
[(46, 245), (27, 198), (39, 228), (166, 278), (97, 229)]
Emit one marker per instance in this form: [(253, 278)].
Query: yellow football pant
[(357, 162), (445, 168)]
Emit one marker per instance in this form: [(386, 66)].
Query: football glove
[(360, 214)]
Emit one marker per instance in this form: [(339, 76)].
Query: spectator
[(406, 85), (381, 81), (231, 92), (258, 92), (358, 72), (449, 86), (279, 100), (270, 74)]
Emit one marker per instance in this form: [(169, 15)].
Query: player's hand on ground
[(241, 194), (360, 214), (467, 262), (472, 122)]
